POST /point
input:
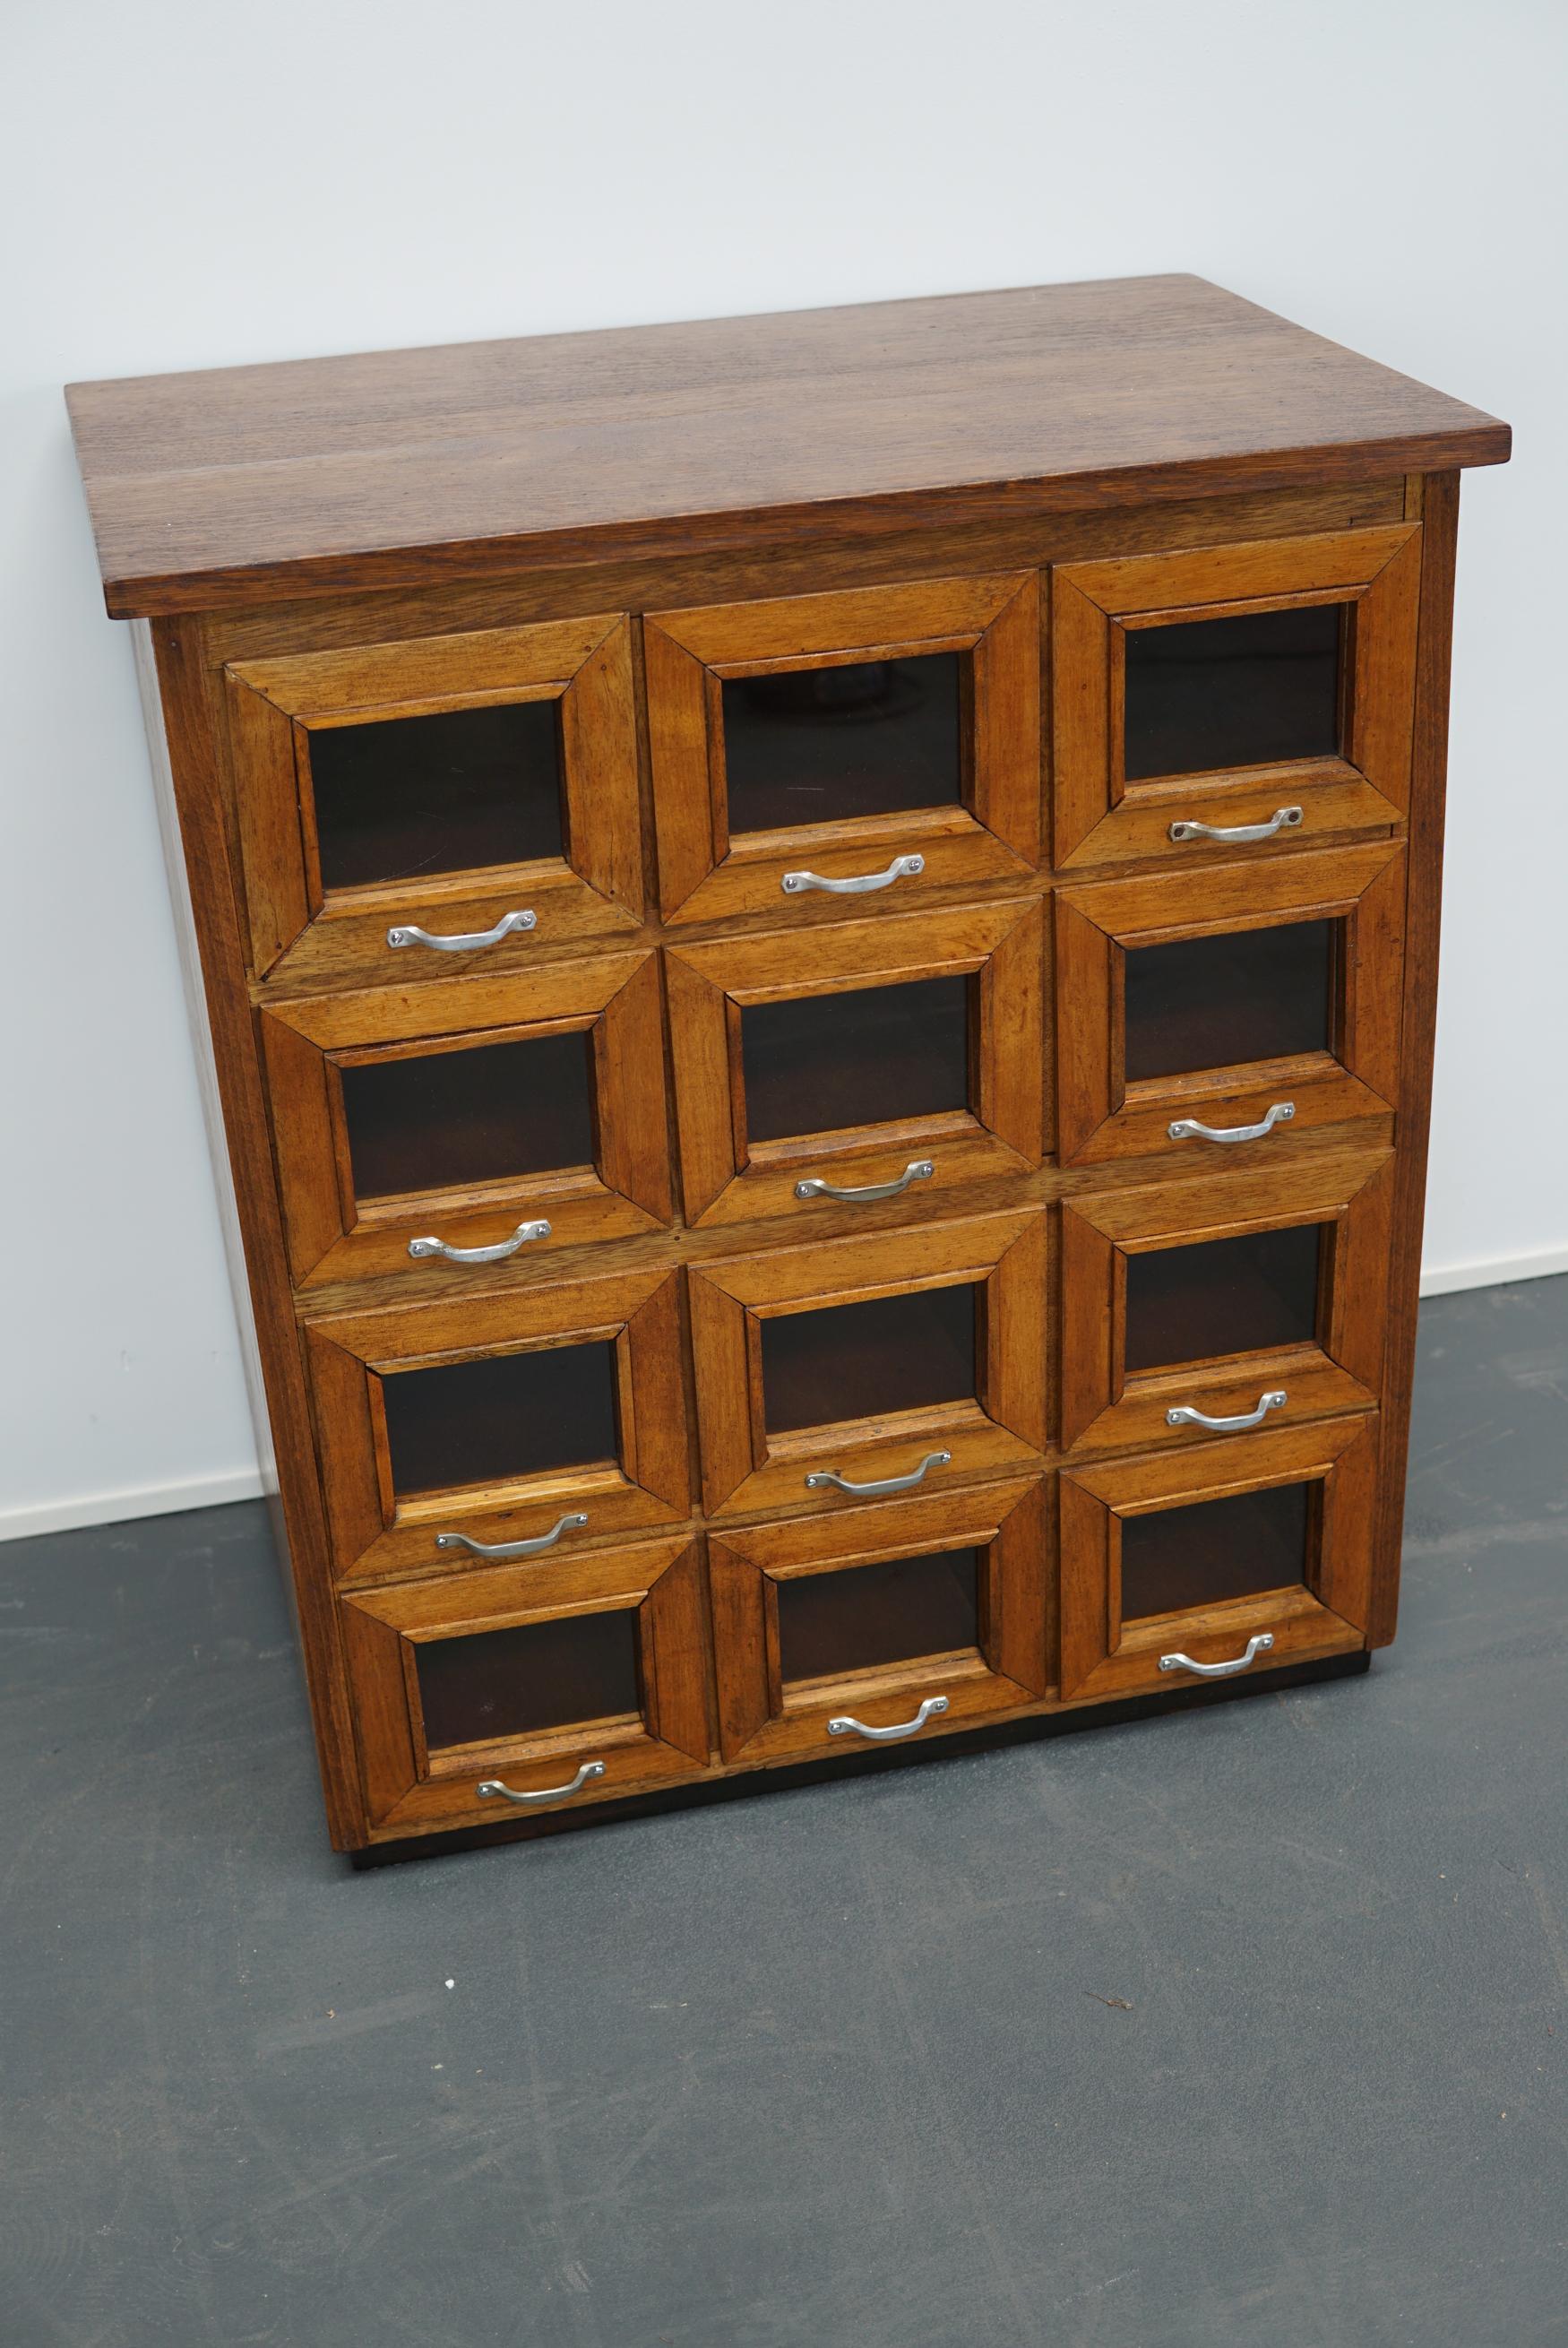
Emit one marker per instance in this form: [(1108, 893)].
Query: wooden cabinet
[(821, 1006)]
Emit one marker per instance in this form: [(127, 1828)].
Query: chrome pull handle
[(919, 1169), (824, 1477), (513, 1549), (1258, 1647), (1188, 1129), (589, 1770), (863, 883), (1236, 835), (846, 1725), (1186, 1414), (496, 1254), (408, 934)]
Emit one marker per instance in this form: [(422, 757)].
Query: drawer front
[(1232, 1558), (829, 1374), (894, 1056), (1193, 1008), (1186, 1302), (560, 1685), (480, 787), (446, 1431), (454, 1120), (891, 1621), (885, 740), (1267, 688)]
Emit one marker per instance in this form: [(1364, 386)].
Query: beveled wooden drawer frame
[(409, 1789), (1104, 1408), (306, 1041), (1102, 1657), (375, 1533), (726, 1177), (762, 1720), (1101, 818), (745, 1469), (705, 875), (1101, 1115), (311, 936)]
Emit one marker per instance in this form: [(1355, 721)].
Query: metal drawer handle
[(826, 1475), (1258, 1647), (513, 1549), (1186, 1414), (1236, 835), (918, 1170), (408, 934), (846, 1723), (496, 1254), (861, 885), (589, 1769), (1187, 1129)]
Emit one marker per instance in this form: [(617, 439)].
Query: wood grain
[(324, 475)]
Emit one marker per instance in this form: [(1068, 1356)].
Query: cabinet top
[(412, 467)]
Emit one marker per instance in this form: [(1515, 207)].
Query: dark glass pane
[(443, 1121), (418, 795), (536, 1676), (866, 1616), (856, 1361), (1178, 1558), (812, 746), (863, 1058), (1232, 693), (1246, 994), (511, 1414), (1225, 1296)]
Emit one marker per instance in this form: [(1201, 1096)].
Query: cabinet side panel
[(1438, 504), (178, 696)]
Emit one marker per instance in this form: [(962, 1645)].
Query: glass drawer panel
[(1244, 1295), (1177, 1559), (1214, 1002), (859, 1361), (821, 745), (523, 1681), (869, 1056), (1240, 692), (868, 1615), (507, 1416), (445, 1120), (407, 797)]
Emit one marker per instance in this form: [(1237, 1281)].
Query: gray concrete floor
[(1248, 2027)]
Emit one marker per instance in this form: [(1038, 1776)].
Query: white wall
[(191, 182)]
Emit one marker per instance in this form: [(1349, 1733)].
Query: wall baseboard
[(1492, 1271), (245, 1483), (136, 1500)]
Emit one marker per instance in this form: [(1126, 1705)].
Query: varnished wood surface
[(407, 468)]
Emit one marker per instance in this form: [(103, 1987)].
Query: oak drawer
[(446, 1429), (480, 787), (559, 1683), (1231, 1558)]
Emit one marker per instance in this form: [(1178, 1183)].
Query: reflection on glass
[(819, 744), (409, 797), (1179, 1558), (1242, 691), (506, 1416), (857, 1361), (860, 1617), (1244, 1295), (871, 1057), (533, 1677), (1215, 1001), (446, 1120)]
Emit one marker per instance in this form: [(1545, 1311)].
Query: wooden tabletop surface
[(403, 467)]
